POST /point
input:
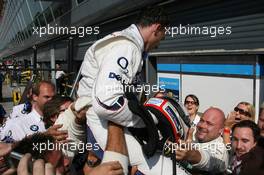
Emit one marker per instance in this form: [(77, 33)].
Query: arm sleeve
[(76, 133), (213, 159), (117, 67)]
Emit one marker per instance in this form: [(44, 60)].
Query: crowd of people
[(230, 144), (89, 135), (241, 136)]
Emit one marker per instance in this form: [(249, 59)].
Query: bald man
[(208, 152)]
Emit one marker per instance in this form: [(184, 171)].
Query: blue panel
[(219, 69), (170, 83), (258, 67), (229, 69), (168, 67)]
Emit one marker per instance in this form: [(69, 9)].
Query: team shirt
[(17, 128), (17, 111)]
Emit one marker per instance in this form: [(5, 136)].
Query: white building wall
[(222, 92)]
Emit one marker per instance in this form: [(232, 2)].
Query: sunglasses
[(242, 112), (190, 102)]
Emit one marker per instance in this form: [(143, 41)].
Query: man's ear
[(159, 27), (155, 27)]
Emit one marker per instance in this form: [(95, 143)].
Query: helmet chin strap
[(149, 146), (154, 118)]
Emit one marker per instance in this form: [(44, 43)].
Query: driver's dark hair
[(152, 15), (52, 108)]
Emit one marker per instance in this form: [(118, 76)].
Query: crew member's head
[(41, 93), (245, 135), (210, 125), (151, 23)]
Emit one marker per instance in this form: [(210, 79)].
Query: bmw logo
[(34, 128)]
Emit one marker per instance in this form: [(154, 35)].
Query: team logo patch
[(34, 128), (155, 101), (8, 138), (176, 121), (114, 76), (122, 62), (9, 133)]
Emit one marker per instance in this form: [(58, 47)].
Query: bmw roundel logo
[(122, 62), (34, 128)]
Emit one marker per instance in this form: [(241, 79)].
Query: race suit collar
[(134, 32)]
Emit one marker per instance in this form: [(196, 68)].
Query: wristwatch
[(92, 163)]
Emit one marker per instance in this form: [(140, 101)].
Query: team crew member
[(17, 128), (109, 64), (210, 155)]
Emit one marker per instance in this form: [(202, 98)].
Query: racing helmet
[(164, 119), (173, 122)]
